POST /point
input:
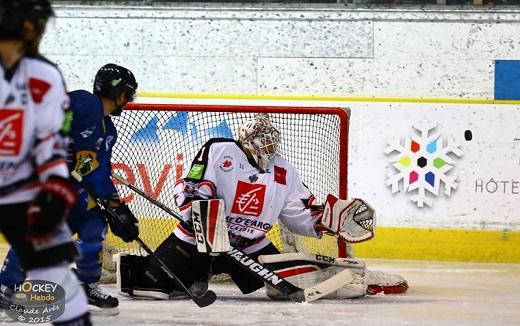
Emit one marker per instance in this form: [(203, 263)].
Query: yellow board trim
[(408, 243), (397, 243), (325, 98), (442, 245)]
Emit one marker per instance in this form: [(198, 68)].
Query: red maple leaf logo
[(227, 164)]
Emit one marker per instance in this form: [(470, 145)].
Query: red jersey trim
[(186, 232)]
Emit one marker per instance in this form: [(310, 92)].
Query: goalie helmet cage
[(157, 142)]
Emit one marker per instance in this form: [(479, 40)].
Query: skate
[(99, 302)]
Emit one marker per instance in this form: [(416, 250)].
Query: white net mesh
[(156, 144)]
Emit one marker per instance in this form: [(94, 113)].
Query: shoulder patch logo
[(38, 89), (280, 175), (86, 162), (227, 164), (196, 172)]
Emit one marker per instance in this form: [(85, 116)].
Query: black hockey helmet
[(112, 80), (13, 13)]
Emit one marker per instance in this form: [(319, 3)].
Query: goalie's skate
[(99, 302)]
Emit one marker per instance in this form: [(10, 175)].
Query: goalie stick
[(202, 301), (256, 268)]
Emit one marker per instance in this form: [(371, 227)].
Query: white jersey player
[(35, 194), (258, 189)]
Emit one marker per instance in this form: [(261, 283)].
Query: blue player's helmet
[(13, 13), (111, 80)]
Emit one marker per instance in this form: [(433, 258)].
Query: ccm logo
[(197, 226), (326, 259)]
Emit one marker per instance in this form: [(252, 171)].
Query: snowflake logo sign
[(422, 163)]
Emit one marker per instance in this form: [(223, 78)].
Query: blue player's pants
[(91, 229)]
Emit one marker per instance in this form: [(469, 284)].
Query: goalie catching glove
[(353, 220)]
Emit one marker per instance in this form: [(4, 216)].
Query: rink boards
[(443, 175)]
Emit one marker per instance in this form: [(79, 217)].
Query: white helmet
[(260, 137)]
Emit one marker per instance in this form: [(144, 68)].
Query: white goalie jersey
[(254, 200), (32, 110)]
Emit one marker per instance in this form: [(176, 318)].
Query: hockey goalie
[(232, 195)]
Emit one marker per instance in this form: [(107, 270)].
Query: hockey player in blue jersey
[(93, 135)]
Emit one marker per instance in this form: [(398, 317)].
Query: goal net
[(157, 142)]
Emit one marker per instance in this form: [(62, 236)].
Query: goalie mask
[(261, 138)]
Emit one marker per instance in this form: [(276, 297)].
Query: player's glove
[(352, 219), (125, 225), (49, 208)]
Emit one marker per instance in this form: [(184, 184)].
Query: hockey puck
[(468, 135)]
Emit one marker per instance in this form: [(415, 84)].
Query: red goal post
[(157, 142)]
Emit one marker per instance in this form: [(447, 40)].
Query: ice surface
[(441, 293)]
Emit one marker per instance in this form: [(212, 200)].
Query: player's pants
[(189, 265), (91, 229)]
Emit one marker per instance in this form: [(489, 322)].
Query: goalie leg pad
[(133, 279), (310, 274), (143, 276), (293, 258)]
